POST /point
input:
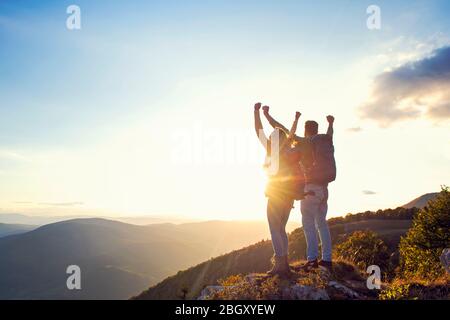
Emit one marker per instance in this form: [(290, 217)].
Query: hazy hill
[(10, 229), (391, 224), (36, 220), (117, 260), (17, 218), (421, 201)]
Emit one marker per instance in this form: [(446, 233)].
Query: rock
[(208, 291), (356, 285), (301, 292), (445, 259), (319, 284), (256, 279), (324, 273), (345, 290)]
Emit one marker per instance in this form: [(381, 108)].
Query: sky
[(147, 109)]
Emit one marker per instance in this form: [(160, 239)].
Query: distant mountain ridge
[(421, 202), (117, 260), (17, 218), (11, 229), (39, 220)]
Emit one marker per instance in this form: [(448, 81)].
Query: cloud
[(62, 204), (369, 192), (355, 129), (415, 89), (13, 156)]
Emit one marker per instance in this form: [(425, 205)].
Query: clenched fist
[(330, 119)]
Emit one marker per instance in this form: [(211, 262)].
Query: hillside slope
[(421, 201), (390, 224)]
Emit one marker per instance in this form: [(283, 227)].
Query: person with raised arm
[(320, 169), (281, 189)]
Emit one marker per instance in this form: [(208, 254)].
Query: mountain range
[(39, 220), (117, 260)]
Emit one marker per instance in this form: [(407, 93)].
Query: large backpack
[(323, 168), (290, 180)]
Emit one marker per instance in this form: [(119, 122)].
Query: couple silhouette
[(299, 168)]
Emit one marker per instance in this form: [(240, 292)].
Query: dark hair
[(311, 128)]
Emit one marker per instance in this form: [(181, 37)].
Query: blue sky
[(138, 70)]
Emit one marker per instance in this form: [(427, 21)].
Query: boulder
[(208, 291), (301, 292), (345, 290)]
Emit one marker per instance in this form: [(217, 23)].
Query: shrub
[(422, 246), (396, 291), (416, 290), (364, 248)]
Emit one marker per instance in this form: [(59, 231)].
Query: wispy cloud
[(415, 89), (61, 204), (354, 129), (13, 155), (369, 192)]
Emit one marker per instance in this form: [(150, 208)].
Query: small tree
[(183, 292), (422, 246), (364, 248)]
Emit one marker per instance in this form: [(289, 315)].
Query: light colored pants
[(278, 215), (314, 211)]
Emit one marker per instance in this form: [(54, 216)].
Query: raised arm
[(291, 135), (272, 121), (294, 126), (259, 127), (330, 130)]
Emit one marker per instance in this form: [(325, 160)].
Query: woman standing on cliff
[(285, 185)]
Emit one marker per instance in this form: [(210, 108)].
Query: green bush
[(396, 291), (403, 290), (364, 248), (422, 246)]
